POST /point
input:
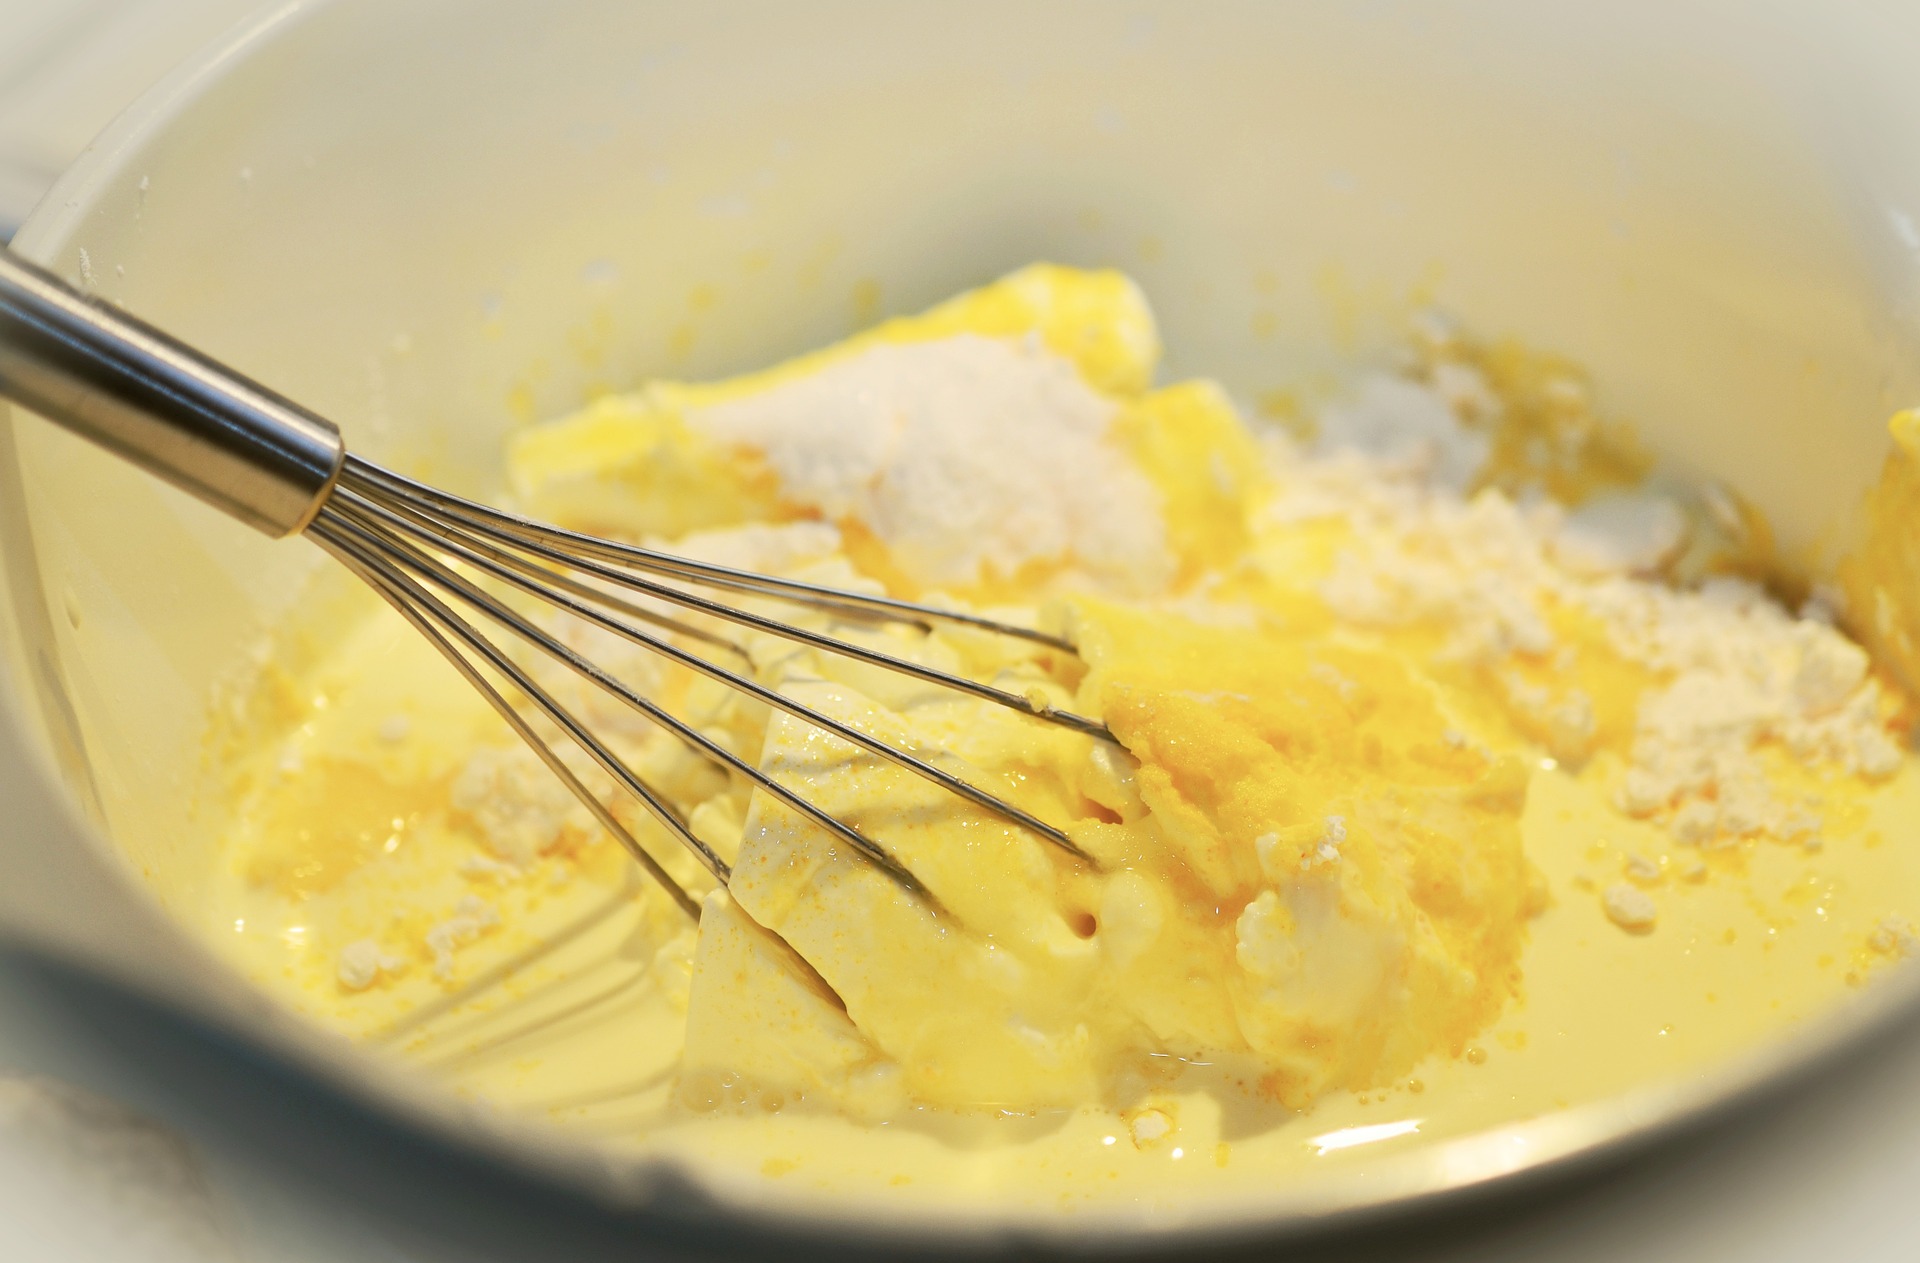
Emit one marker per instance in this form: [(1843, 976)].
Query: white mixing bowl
[(434, 219)]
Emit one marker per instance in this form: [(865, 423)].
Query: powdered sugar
[(966, 455), (471, 918), (1742, 674), (1731, 674), (518, 808), (363, 963), (1409, 428)]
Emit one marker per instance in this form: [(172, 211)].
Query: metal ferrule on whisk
[(164, 406)]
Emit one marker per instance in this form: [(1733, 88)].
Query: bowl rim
[(1435, 1175)]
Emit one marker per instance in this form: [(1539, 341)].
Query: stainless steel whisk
[(284, 470)]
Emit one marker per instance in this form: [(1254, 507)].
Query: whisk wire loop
[(428, 615), (385, 483), (523, 578), (471, 594), (745, 618)]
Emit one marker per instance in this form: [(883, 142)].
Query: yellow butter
[(1361, 862)]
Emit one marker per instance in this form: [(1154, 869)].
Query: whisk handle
[(159, 403)]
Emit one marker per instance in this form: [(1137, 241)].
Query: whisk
[(440, 560)]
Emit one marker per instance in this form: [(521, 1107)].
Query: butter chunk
[(984, 1002), (945, 435), (762, 1028), (1375, 865)]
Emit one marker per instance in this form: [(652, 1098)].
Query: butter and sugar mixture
[(1437, 731)]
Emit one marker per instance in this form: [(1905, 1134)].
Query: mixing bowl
[(434, 220)]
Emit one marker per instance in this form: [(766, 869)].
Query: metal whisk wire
[(432, 555), (384, 525), (427, 614)]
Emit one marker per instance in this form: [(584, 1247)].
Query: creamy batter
[(1461, 776)]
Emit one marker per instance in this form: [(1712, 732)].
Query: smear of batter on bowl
[(1465, 773)]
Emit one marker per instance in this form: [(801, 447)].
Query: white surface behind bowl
[(424, 217)]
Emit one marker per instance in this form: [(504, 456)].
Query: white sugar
[(966, 455)]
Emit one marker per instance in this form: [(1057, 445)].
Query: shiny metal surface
[(400, 535), (132, 389), (395, 510)]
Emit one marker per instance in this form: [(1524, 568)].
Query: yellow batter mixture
[(1436, 804)]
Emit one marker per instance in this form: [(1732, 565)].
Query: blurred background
[(68, 66), (126, 1135)]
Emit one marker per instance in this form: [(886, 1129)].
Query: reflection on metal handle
[(134, 390)]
